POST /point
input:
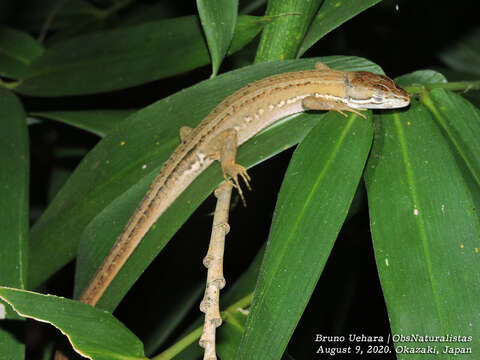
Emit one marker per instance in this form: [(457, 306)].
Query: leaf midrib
[(418, 217)]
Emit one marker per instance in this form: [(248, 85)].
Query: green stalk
[(182, 344), (452, 86)]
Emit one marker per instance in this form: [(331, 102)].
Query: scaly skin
[(235, 120)]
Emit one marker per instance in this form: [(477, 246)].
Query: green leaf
[(460, 120), (102, 61), (218, 21), (98, 122), (459, 76), (245, 284), (464, 55), (331, 15), (229, 337), (14, 177), (282, 38), (425, 231), (109, 183), (420, 77), (316, 193), (93, 333), (14, 182), (17, 50)]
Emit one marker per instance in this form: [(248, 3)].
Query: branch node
[(213, 261)]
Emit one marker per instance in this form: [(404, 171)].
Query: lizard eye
[(379, 93)]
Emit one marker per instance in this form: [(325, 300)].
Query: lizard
[(231, 123)]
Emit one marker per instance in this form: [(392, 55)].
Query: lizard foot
[(231, 175)]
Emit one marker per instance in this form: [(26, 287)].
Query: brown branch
[(213, 261)]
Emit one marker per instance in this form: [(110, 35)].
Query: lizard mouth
[(392, 102)]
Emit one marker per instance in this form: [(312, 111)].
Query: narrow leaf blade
[(317, 191), (93, 333), (282, 38), (425, 231), (17, 51), (14, 176), (461, 122), (102, 61), (218, 20), (98, 122)]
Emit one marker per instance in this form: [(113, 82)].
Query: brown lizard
[(230, 124)]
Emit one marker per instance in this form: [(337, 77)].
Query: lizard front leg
[(314, 103), (223, 147)]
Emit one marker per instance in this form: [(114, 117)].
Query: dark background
[(348, 298)]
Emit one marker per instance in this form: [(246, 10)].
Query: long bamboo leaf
[(102, 61), (98, 122), (14, 184), (218, 20), (426, 234), (461, 122), (93, 333), (313, 203), (282, 38), (17, 51)]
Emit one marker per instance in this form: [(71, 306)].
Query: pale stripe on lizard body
[(235, 120)]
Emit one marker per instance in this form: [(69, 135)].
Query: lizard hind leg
[(231, 173), (224, 148)]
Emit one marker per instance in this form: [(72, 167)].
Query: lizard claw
[(231, 175)]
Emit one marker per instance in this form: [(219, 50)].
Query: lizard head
[(370, 91)]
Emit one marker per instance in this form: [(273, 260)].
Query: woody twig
[(214, 263)]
